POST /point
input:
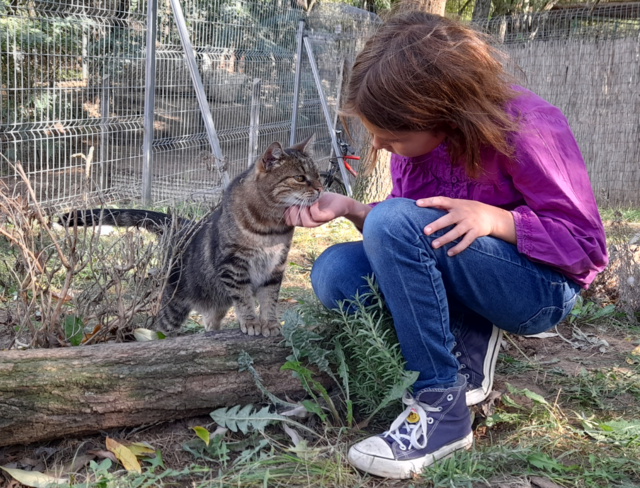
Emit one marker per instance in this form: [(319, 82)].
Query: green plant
[(377, 374), (585, 311)]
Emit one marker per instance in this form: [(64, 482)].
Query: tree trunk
[(377, 186), (431, 6), (51, 393), (481, 10)]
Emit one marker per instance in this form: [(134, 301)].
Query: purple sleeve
[(559, 224), (396, 178)]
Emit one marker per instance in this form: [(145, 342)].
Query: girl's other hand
[(328, 207), (470, 219)]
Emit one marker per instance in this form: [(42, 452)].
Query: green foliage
[(620, 214), (246, 364), (584, 311), (356, 347), (73, 329), (377, 374), (616, 432), (246, 419)]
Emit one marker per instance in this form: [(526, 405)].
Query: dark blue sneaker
[(476, 348), (435, 424)]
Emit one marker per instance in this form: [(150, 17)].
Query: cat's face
[(289, 176)]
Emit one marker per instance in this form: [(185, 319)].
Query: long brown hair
[(424, 72)]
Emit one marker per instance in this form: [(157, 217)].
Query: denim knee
[(338, 272), (397, 218)]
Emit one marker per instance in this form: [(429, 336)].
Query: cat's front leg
[(244, 304), (268, 299)]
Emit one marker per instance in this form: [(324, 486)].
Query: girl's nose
[(376, 143)]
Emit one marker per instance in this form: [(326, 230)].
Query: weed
[(629, 214)]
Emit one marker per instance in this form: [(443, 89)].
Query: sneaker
[(435, 424), (476, 349)]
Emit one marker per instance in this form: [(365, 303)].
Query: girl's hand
[(471, 220), (328, 207)]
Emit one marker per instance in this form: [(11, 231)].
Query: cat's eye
[(299, 178)]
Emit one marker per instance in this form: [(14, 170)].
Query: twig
[(508, 336)]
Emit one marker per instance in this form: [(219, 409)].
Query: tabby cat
[(237, 254)]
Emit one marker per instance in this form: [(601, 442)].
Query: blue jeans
[(429, 293)]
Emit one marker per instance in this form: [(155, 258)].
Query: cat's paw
[(271, 328), (251, 327)]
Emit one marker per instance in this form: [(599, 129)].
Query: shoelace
[(414, 430)]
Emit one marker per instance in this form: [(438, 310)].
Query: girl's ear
[(270, 158), (306, 146)]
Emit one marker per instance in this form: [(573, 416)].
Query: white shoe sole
[(488, 368), (391, 468)]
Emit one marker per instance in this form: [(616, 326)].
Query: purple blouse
[(545, 186)]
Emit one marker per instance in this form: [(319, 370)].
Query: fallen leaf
[(145, 335), (539, 482), (104, 455), (295, 437), (57, 294), (636, 351), (96, 329), (300, 412), (142, 449), (124, 455), (29, 462), (543, 335), (78, 463), (202, 433), (33, 478), (489, 405)]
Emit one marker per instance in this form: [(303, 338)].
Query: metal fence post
[(105, 103), (200, 94), (254, 123), (296, 82), (149, 101), (327, 115)]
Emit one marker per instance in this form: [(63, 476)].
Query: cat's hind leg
[(173, 313), (212, 318)]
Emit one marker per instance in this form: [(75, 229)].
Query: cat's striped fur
[(237, 254)]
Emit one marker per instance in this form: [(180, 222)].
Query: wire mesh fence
[(73, 85), (73, 92), (586, 61)]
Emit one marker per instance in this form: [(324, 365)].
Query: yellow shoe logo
[(413, 417)]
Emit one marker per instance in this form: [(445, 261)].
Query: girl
[(491, 220)]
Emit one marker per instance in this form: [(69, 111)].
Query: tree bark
[(52, 393), (430, 6), (376, 186), (481, 10)]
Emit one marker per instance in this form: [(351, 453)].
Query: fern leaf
[(243, 420)]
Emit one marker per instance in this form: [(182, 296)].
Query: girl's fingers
[(307, 220), (291, 215), (450, 236), (441, 223), (437, 202), (466, 241)]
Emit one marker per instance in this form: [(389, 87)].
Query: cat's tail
[(155, 222)]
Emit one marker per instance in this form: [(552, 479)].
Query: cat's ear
[(270, 158), (306, 146)]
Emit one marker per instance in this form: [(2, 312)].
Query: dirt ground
[(538, 364)]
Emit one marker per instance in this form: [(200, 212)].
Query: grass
[(631, 214), (568, 414)]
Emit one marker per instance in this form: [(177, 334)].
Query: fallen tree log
[(52, 393)]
